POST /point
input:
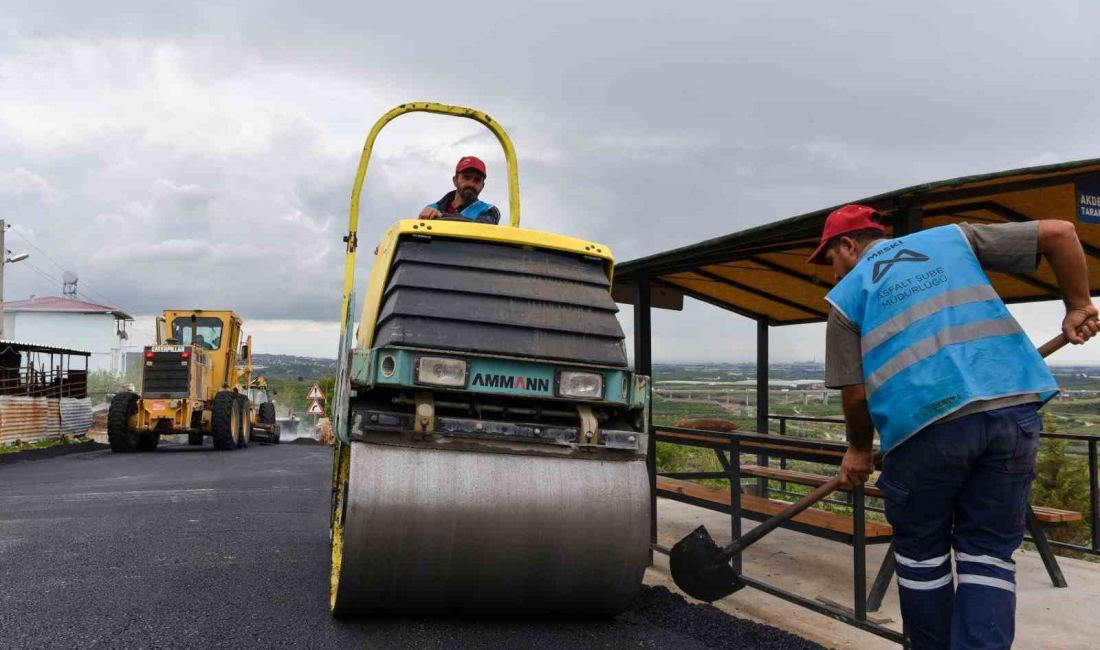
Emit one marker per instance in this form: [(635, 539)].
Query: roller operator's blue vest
[(935, 335), (471, 212)]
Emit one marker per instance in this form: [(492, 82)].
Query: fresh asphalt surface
[(186, 547)]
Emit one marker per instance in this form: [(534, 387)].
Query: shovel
[(702, 569)]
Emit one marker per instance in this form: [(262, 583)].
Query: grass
[(19, 445)]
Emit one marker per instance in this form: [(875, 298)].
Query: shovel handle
[(749, 538), (1052, 346)]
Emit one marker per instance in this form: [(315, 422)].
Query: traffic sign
[(315, 393), (316, 408)]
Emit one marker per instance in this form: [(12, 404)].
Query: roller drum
[(429, 530)]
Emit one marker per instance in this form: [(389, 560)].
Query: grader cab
[(190, 384)]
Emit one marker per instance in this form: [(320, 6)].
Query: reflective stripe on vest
[(935, 336)]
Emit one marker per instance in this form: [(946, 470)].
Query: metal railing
[(1092, 442), (29, 382), (729, 446)]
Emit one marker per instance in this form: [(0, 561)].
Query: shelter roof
[(20, 346), (762, 272)]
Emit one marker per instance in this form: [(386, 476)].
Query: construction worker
[(462, 202), (924, 351)]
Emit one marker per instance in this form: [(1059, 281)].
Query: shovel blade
[(700, 568)]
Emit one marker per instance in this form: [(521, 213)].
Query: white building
[(61, 322)]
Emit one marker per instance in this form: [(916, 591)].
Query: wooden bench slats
[(1054, 515), (1042, 513), (811, 517), (750, 502)]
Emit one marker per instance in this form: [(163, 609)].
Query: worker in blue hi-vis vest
[(462, 203), (926, 353)]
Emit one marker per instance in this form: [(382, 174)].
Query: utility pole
[(4, 261)]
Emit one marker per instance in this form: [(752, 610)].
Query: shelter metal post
[(859, 553), (762, 396), (735, 499), (643, 365), (1094, 497)]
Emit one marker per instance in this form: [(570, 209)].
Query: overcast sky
[(192, 154)]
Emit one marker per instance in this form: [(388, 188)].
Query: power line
[(61, 268), (41, 273), (42, 252), (52, 280)]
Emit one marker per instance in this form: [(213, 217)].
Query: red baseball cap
[(842, 221), (470, 162)]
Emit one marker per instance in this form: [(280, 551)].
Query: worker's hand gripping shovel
[(702, 569)]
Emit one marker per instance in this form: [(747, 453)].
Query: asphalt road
[(191, 548)]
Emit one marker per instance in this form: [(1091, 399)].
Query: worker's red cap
[(470, 162), (842, 221)]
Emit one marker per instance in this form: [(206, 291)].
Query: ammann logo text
[(516, 382)]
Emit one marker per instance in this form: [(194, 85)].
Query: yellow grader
[(491, 438), (191, 384)]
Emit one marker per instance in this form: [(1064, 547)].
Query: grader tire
[(119, 435), (225, 421), (267, 412), (245, 432), (194, 439)]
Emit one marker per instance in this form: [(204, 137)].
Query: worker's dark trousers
[(962, 484)]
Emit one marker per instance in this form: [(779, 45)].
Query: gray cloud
[(203, 155)]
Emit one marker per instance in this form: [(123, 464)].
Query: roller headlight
[(440, 371), (582, 385)]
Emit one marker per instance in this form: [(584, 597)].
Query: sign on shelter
[(1088, 198)]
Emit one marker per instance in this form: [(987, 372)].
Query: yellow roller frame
[(361, 174)]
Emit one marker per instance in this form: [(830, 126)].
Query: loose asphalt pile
[(710, 626), (51, 452), (186, 547)]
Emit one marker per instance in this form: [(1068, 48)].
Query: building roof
[(55, 304), (21, 346), (762, 272)]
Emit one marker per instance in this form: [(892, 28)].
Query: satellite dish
[(69, 290)]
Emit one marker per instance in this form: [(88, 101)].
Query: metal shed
[(43, 392)]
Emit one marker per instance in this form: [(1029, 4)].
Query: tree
[(1062, 481)]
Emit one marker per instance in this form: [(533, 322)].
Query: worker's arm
[(844, 370), (858, 461), (1058, 242)]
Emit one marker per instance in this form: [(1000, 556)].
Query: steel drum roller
[(430, 530)]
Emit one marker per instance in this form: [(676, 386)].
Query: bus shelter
[(761, 274)]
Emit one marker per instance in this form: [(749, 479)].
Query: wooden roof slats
[(761, 272)]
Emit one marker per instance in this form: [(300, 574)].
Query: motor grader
[(491, 438), (191, 384)]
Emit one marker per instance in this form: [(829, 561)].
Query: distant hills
[(287, 366)]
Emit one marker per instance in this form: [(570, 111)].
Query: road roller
[(491, 437)]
